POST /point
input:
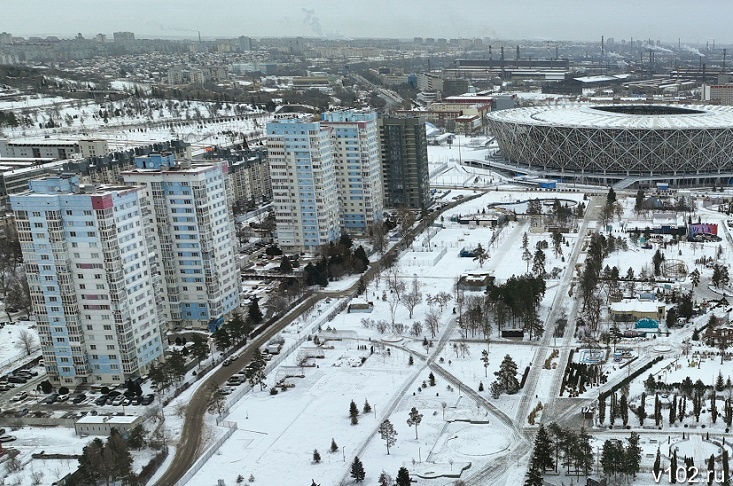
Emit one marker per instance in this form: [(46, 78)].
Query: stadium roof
[(626, 116)]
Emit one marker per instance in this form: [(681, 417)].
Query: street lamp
[(343, 451)]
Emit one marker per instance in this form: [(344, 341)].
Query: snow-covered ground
[(12, 349), (287, 427)]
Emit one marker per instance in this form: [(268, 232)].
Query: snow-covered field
[(287, 427)]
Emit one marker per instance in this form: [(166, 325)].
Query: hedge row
[(630, 378)]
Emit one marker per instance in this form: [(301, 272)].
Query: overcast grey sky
[(666, 20)]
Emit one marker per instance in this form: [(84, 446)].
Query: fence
[(231, 427), (424, 262)]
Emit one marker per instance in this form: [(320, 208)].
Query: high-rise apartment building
[(192, 229), (404, 157), (355, 145), (304, 187), (92, 278), (123, 36)]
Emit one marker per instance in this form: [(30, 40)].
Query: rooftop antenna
[(199, 32)]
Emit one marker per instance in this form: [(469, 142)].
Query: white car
[(62, 398), (20, 396)]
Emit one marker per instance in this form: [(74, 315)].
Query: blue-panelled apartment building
[(326, 177), (109, 267)]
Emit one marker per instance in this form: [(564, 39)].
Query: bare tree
[(27, 340), (432, 322), (379, 237), (394, 301), (412, 298)]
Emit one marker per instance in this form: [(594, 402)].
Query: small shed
[(476, 282), (360, 306)]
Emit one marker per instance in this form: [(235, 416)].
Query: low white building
[(102, 425)]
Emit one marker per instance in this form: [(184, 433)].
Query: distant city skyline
[(561, 20)]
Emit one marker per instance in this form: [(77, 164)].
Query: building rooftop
[(630, 116), (108, 419)]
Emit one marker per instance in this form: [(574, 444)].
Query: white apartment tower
[(192, 229), (91, 277), (304, 187), (355, 142)]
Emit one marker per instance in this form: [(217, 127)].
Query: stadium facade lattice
[(625, 145)]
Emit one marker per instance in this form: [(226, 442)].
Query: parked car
[(101, 400), (147, 399), (52, 398), (24, 373), (137, 400), (7, 438), (22, 412), (20, 396), (226, 362), (127, 401), (79, 398), (63, 397), (225, 391), (118, 400), (17, 379)]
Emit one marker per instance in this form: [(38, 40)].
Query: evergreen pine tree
[(357, 470), (403, 477), (673, 411), (642, 409), (431, 379), (353, 413), (610, 454), (584, 452), (673, 466), (711, 469), (719, 383), (657, 464), (726, 468), (543, 450), (414, 419), (534, 475), (657, 410), (334, 446), (388, 434), (632, 455), (614, 409), (254, 313), (507, 375), (601, 409), (316, 456), (624, 410), (367, 408)]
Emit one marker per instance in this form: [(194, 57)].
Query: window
[(107, 327), (109, 337), (92, 346)]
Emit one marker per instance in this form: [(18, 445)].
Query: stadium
[(622, 145)]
